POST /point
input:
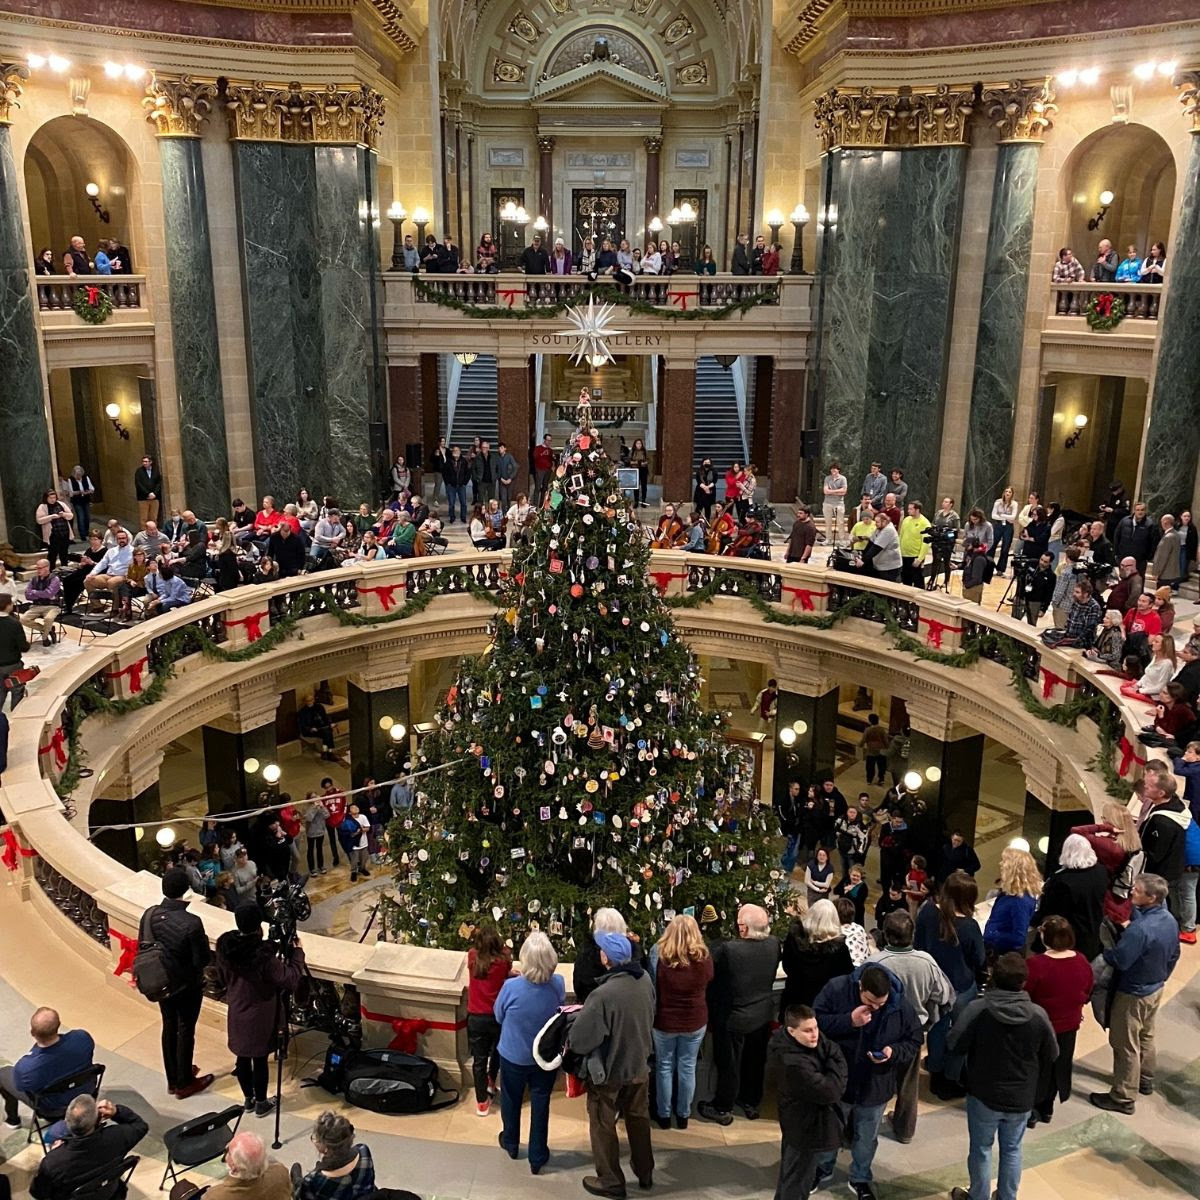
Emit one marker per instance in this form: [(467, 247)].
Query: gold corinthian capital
[(178, 105), (1020, 110), (12, 77)]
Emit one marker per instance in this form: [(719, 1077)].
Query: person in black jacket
[(958, 855), (875, 1025), (588, 969), (1038, 589), (812, 1077), (741, 1007), (456, 474), (1076, 892), (147, 487), (741, 255), (1164, 828), (789, 809), (99, 1136), (534, 259), (1010, 1047), (287, 550), (181, 935)]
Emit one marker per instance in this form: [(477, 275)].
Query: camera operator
[(1036, 584), (882, 555), (254, 973)]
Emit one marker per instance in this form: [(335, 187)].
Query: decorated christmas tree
[(580, 768)]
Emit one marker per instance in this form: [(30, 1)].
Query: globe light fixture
[(798, 218), (801, 727), (787, 736), (1044, 845), (774, 221), (655, 226), (92, 189), (912, 780), (385, 723), (420, 220), (398, 732), (165, 836), (933, 774), (271, 773), (250, 766), (1019, 843)]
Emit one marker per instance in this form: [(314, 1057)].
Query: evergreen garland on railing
[(601, 292)]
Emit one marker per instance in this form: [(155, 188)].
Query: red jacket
[(543, 457), (335, 806)]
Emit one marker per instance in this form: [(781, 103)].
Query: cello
[(722, 530), (670, 533)]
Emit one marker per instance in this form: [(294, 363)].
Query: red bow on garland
[(129, 949), (509, 293), (93, 295), (803, 597), (1049, 679), (1128, 757), (56, 746), (936, 629), (681, 298), (134, 671), (14, 850), (1104, 304), (386, 593), (408, 1030), (253, 624), (662, 579)]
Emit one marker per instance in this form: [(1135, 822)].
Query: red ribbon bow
[(1128, 757), (803, 597), (662, 579), (1104, 304), (681, 298), (253, 624), (1049, 679), (408, 1030), (93, 295), (509, 293), (129, 949), (134, 671), (14, 850), (936, 629), (386, 593), (55, 746)]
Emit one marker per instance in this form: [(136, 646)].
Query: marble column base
[(370, 745), (676, 435)]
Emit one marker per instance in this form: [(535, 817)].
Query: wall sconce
[(933, 774), (540, 226), (271, 773), (398, 732), (798, 218), (1080, 425), (93, 190), (1106, 199), (655, 226), (113, 413), (774, 221), (787, 736), (466, 357)]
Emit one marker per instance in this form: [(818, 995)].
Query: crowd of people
[(111, 258)]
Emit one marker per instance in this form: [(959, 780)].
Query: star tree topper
[(591, 326)]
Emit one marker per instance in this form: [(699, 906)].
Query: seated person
[(521, 514), (134, 583), (345, 1170), (243, 522), (73, 580), (1082, 618), (383, 528), (165, 590), (696, 535), (482, 536), (370, 550), (252, 1174), (154, 542), (286, 547), (1154, 677), (1174, 722), (266, 571), (109, 573), (44, 595), (404, 537), (54, 1056), (495, 518), (111, 532), (314, 722), (1109, 645), (329, 536), (431, 529), (192, 563), (191, 524), (98, 1136)]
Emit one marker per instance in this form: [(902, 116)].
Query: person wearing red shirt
[(1115, 840), (290, 516), (1142, 618), (267, 518), (334, 804), (892, 510), (543, 464), (489, 964), (289, 818), (1060, 981)]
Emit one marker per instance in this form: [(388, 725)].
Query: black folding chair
[(199, 1140), (84, 1082), (108, 1183)]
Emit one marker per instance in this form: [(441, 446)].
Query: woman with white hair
[(1110, 642), (525, 1003), (814, 952), (1076, 892), (588, 967)]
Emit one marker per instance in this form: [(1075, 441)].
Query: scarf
[(336, 1158)]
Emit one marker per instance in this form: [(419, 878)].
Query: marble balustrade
[(58, 294), (1141, 299)]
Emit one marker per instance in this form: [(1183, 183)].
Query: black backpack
[(390, 1081), (151, 969)]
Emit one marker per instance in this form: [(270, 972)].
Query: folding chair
[(199, 1140), (108, 1183), (84, 1082)]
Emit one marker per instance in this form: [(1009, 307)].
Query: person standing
[(1060, 982), (1010, 1048), (335, 813), (1104, 269), (543, 464), (505, 469), (874, 742), (437, 465), (913, 546), (833, 507), (1143, 961), (882, 555), (814, 952), (489, 964), (82, 489), (180, 933), (1136, 537), (789, 809), (876, 1028), (456, 475), (812, 1078), (1004, 519), (803, 537), (54, 520), (147, 486), (1166, 565), (255, 976), (616, 1023), (1075, 892), (704, 494)]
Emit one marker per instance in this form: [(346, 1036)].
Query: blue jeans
[(1182, 898), (941, 1062), (790, 853), (675, 1055), (514, 1078), (1004, 537), (862, 1124), (457, 493), (983, 1124)]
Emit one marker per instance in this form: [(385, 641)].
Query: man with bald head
[(741, 1009), (54, 1056), (252, 1175)]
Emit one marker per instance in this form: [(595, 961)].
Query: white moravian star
[(591, 326)]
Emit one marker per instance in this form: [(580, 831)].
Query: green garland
[(93, 314), (1097, 319), (601, 292)]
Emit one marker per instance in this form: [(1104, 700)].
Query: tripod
[(942, 566)]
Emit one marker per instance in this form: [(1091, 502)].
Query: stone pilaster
[(654, 147), (677, 433), (546, 182), (25, 466)]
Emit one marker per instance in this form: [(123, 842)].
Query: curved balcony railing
[(1140, 299), (57, 293), (877, 622)]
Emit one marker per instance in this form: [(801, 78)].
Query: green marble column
[(888, 282), (1173, 440), (998, 344), (194, 326), (25, 466)]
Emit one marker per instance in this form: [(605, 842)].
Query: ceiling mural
[(697, 49)]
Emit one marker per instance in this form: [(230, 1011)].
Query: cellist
[(721, 530), (670, 533)]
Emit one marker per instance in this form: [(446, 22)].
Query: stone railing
[(1141, 300), (57, 293), (88, 897)]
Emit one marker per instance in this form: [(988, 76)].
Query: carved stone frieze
[(295, 113), (178, 105), (12, 77), (1189, 96), (1020, 110), (865, 117)]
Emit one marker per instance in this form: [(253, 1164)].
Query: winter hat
[(615, 946), (248, 918)]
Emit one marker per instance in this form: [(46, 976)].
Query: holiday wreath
[(1104, 310), (93, 305)]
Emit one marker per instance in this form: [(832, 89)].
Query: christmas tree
[(579, 767)]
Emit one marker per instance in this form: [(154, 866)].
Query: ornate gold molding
[(11, 77), (1021, 111), (1189, 84), (653, 145), (545, 143), (864, 117), (178, 105), (261, 113)]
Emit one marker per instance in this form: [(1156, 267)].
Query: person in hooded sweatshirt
[(812, 1078), (1010, 1048), (876, 1028)]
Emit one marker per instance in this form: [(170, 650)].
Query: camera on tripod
[(286, 905)]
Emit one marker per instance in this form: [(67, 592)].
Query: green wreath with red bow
[(1105, 310), (92, 304)]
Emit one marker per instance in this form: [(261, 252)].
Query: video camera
[(286, 905), (939, 536)]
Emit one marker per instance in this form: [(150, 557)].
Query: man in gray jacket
[(505, 471), (931, 995), (614, 1027)]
